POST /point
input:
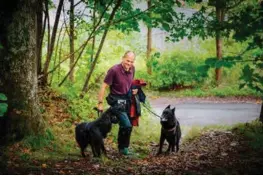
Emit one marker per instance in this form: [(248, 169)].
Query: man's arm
[(101, 95)]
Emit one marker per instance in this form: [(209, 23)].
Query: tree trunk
[(220, 17), (85, 87), (218, 48), (39, 35), (71, 40), (83, 46), (94, 38), (261, 113), (18, 69), (52, 43), (149, 44), (56, 53)]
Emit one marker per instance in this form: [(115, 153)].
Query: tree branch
[(132, 16), (82, 47), (85, 44), (234, 5), (78, 3), (65, 21), (85, 87)]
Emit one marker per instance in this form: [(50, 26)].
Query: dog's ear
[(173, 110), (168, 107)]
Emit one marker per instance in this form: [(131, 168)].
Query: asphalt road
[(209, 113)]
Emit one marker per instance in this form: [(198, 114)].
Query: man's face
[(128, 61)]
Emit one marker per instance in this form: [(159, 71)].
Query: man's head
[(127, 60)]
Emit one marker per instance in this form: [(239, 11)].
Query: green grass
[(143, 135), (252, 131), (57, 143), (196, 131), (221, 91), (35, 142)]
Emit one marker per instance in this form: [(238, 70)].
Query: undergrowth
[(251, 131), (221, 91), (58, 141)]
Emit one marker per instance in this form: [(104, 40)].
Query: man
[(119, 79)]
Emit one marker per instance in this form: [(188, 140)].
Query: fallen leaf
[(44, 166)]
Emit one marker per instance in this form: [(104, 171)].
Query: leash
[(148, 108), (176, 122), (98, 111), (172, 129), (151, 110)]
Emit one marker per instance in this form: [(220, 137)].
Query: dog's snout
[(163, 119)]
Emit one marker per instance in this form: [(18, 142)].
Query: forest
[(54, 55)]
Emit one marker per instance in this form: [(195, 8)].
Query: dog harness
[(87, 126), (169, 130), (172, 129)]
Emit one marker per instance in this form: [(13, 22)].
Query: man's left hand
[(134, 91)]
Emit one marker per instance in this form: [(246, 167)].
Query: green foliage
[(224, 62), (3, 106), (180, 68), (243, 23), (252, 131), (40, 141), (3, 97), (193, 133), (80, 109), (208, 91), (194, 66), (196, 131), (253, 76)]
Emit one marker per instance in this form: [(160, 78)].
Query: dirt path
[(214, 152)]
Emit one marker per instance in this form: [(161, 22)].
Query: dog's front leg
[(170, 147), (162, 138), (103, 148), (83, 153), (98, 150), (173, 147)]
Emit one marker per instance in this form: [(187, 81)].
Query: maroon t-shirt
[(119, 80)]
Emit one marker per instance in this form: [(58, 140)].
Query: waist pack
[(120, 102)]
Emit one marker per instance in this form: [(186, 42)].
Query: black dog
[(93, 132), (171, 130)]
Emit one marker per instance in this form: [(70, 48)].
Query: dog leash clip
[(98, 111)]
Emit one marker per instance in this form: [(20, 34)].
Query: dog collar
[(168, 130)]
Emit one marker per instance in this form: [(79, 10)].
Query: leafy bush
[(178, 68), (3, 106), (253, 131), (36, 142)]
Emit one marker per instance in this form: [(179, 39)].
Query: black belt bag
[(118, 101)]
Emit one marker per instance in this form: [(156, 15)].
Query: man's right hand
[(100, 106)]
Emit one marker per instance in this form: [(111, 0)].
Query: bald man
[(119, 80)]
